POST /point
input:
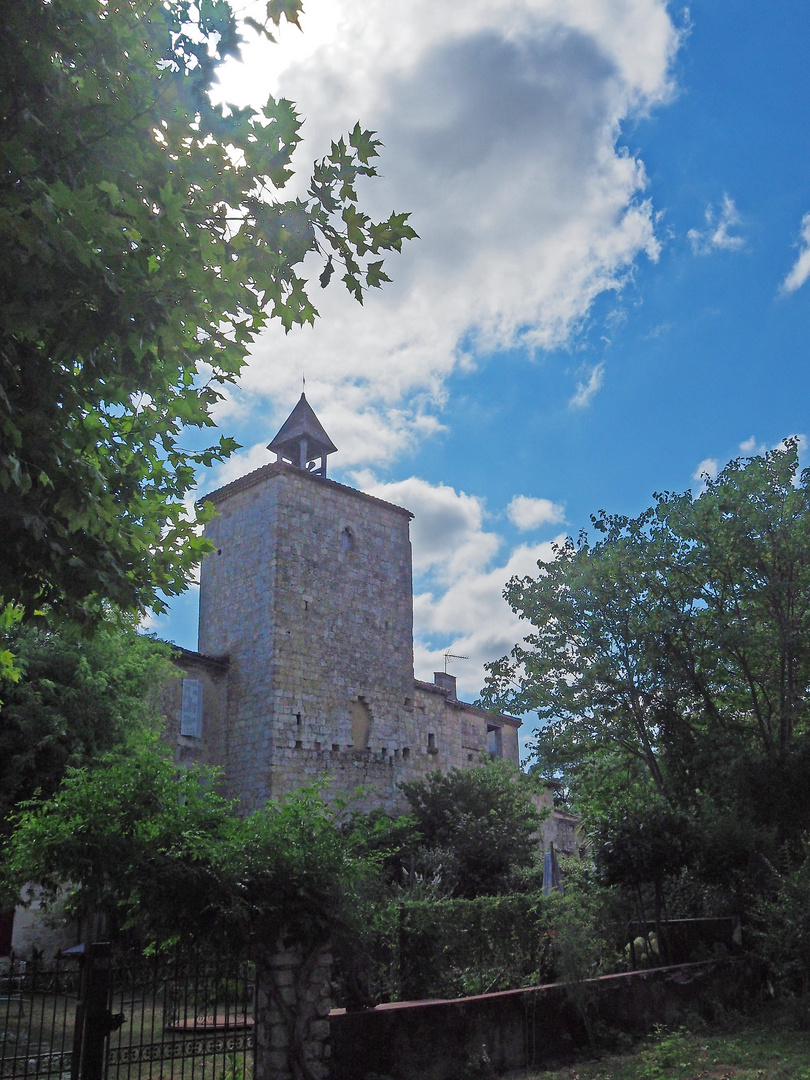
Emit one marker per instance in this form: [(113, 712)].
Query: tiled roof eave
[(281, 468), (432, 688)]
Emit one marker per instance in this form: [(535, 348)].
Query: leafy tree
[(674, 652), (156, 848), (154, 845), (582, 946), (146, 242), (642, 848), (77, 697), (480, 824), (782, 927)]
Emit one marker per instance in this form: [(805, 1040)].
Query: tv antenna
[(452, 656)]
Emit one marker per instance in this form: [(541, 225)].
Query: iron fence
[(37, 1018), (182, 1020), (98, 1017)]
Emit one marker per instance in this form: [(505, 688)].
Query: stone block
[(283, 976), (279, 1037), (319, 1029)]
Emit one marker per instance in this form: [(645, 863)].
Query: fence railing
[(98, 1017), (37, 1018), (184, 1020), (449, 948), (415, 950)]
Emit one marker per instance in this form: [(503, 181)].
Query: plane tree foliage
[(669, 659), (147, 238), (76, 697)]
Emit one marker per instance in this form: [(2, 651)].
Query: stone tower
[(309, 595)]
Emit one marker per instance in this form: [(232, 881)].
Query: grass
[(766, 1048)]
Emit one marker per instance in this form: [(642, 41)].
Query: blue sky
[(610, 196)]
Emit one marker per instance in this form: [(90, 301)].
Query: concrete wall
[(37, 931), (562, 830), (518, 1029)]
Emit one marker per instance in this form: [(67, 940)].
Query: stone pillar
[(293, 1000)]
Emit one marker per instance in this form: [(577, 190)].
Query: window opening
[(191, 709), (347, 540), (361, 723), (494, 741)]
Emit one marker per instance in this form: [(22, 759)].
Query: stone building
[(305, 662)]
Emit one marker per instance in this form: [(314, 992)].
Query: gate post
[(92, 1013), (293, 999)]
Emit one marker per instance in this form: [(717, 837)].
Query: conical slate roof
[(302, 423)]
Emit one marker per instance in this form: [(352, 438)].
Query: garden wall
[(514, 1029)]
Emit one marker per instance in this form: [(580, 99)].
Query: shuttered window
[(191, 709)]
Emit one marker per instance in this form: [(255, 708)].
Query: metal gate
[(37, 1018), (101, 1018)]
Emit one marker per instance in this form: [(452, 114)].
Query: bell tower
[(308, 592), (302, 440)]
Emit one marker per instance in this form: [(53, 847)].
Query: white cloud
[(529, 513), (717, 235), (661, 330), (586, 391), (148, 622), (471, 618), (500, 122), (707, 467), (447, 530), (800, 440), (459, 580), (800, 271), (751, 447)]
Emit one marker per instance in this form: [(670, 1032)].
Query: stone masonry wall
[(309, 594), (293, 1000), (433, 733), (209, 748)]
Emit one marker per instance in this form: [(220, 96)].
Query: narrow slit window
[(494, 741)]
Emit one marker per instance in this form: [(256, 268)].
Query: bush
[(782, 926)]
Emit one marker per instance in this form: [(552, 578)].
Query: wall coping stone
[(671, 972)]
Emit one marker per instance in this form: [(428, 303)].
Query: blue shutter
[(191, 709)]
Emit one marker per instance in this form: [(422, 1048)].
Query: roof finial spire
[(302, 441)]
